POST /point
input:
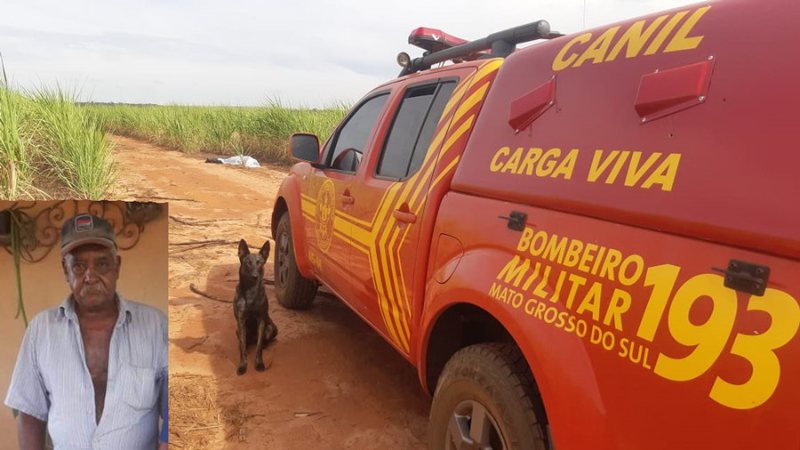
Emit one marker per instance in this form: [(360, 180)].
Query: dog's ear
[(244, 250), (264, 252)]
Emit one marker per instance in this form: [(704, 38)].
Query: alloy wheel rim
[(282, 257), (472, 427)]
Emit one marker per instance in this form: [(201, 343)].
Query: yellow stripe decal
[(308, 207), (471, 101), (354, 220), (382, 237)]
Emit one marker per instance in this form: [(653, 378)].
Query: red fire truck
[(588, 242)]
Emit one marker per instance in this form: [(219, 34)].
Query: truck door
[(330, 193), (389, 199)]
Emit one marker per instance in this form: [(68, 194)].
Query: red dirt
[(331, 381)]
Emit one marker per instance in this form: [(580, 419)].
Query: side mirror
[(304, 147)]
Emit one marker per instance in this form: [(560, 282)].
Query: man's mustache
[(90, 290)]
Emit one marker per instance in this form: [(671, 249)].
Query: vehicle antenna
[(584, 14)]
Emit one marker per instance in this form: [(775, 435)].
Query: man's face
[(92, 272)]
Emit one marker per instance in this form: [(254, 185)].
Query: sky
[(305, 53)]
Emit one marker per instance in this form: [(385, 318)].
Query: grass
[(48, 143), (75, 149), (15, 151), (262, 132), (16, 160)]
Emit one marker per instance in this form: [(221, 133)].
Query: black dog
[(250, 306)]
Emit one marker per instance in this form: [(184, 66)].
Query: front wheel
[(292, 289), (486, 399)]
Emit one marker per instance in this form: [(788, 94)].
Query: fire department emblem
[(325, 212)]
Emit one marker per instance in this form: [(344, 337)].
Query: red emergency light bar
[(432, 40), (440, 46)]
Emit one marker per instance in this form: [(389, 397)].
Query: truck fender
[(288, 199), (556, 358)]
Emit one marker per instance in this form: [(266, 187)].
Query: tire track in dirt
[(331, 382)]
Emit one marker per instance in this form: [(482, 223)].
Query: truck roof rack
[(440, 47)]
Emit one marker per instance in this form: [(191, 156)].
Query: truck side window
[(412, 129), (425, 137), (352, 136)]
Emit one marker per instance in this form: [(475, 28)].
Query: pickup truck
[(587, 242)]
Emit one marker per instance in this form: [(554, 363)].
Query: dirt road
[(331, 381)]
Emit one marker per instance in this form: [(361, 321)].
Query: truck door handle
[(347, 199), (404, 216)]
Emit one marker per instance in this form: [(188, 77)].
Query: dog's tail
[(197, 291)]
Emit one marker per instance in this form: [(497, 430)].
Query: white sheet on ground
[(247, 161)]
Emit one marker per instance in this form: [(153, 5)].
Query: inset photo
[(83, 318)]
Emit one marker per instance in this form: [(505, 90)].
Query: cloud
[(312, 52)]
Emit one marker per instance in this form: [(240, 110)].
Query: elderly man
[(92, 369)]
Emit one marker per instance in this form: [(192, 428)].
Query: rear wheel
[(486, 399), (292, 289)]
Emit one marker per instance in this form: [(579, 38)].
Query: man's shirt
[(51, 381)]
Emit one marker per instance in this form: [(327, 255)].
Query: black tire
[(493, 382), (292, 289)]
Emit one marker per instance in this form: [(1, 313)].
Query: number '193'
[(710, 338)]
